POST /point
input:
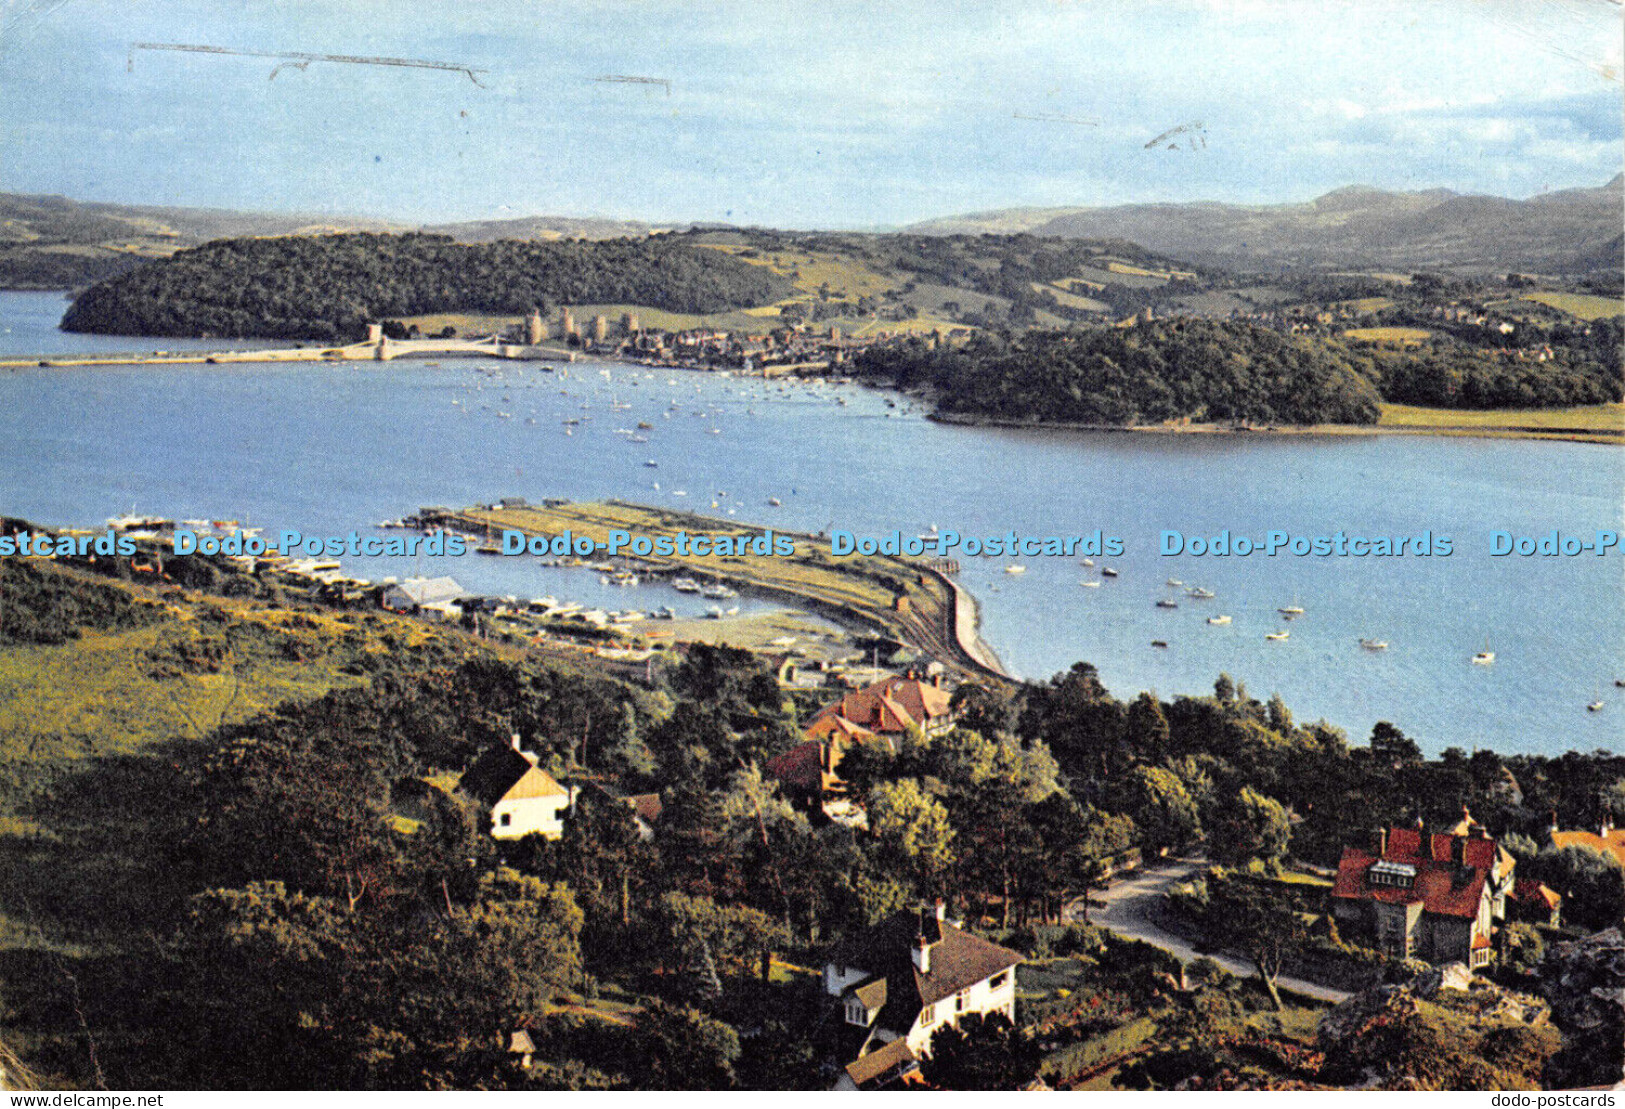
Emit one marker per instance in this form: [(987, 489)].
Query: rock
[(1584, 981)]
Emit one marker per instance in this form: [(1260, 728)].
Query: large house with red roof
[(885, 708), (905, 979), (1436, 897)]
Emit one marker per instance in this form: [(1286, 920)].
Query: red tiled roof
[(891, 705), (802, 765), (1441, 887), (1527, 889), (647, 806)]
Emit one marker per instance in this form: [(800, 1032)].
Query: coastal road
[(1133, 906)]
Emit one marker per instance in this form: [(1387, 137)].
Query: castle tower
[(535, 329)]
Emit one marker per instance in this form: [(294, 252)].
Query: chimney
[(1551, 829), (518, 745), (1380, 842), (922, 955), (942, 910)]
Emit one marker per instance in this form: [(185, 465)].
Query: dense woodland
[(1198, 369), (328, 288), (303, 899)]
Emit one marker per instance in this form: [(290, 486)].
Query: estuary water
[(331, 449)]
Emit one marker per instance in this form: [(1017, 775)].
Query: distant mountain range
[(50, 242), (1572, 231)]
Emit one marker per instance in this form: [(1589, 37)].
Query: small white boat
[(1165, 603), (1090, 584), (1108, 572), (1291, 610), (1595, 706), (1277, 635), (1088, 562), (1218, 620), (1374, 644), (1175, 582), (1015, 568), (686, 585), (1200, 594), (1484, 658)]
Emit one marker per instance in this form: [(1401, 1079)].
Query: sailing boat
[(1486, 656)]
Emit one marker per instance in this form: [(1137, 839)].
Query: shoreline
[(907, 600), (370, 352), (1486, 431)]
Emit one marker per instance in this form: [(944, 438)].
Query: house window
[(928, 1016), (856, 1013), (505, 819), (998, 980), (959, 1001)]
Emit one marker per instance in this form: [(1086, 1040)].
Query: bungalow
[(1433, 897), (521, 797), (902, 981)]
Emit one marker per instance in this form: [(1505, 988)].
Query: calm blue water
[(330, 449)]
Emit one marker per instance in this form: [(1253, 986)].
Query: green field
[(1595, 422), (1389, 334), (1581, 305)]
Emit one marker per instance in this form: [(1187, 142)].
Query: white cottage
[(521, 797), (904, 980)]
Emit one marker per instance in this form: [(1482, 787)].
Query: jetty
[(904, 599)]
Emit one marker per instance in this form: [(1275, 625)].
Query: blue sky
[(803, 114)]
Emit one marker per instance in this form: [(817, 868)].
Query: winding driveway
[(1132, 907)]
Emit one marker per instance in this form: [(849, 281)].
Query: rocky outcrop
[(1585, 983), (1444, 1029)]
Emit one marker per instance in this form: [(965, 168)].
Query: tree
[(1145, 728), (1392, 748), (981, 1052), (1247, 918), (1162, 809), (1592, 883), (1253, 827), (913, 828), (984, 707), (683, 1049)]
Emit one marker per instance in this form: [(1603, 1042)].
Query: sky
[(815, 114)]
